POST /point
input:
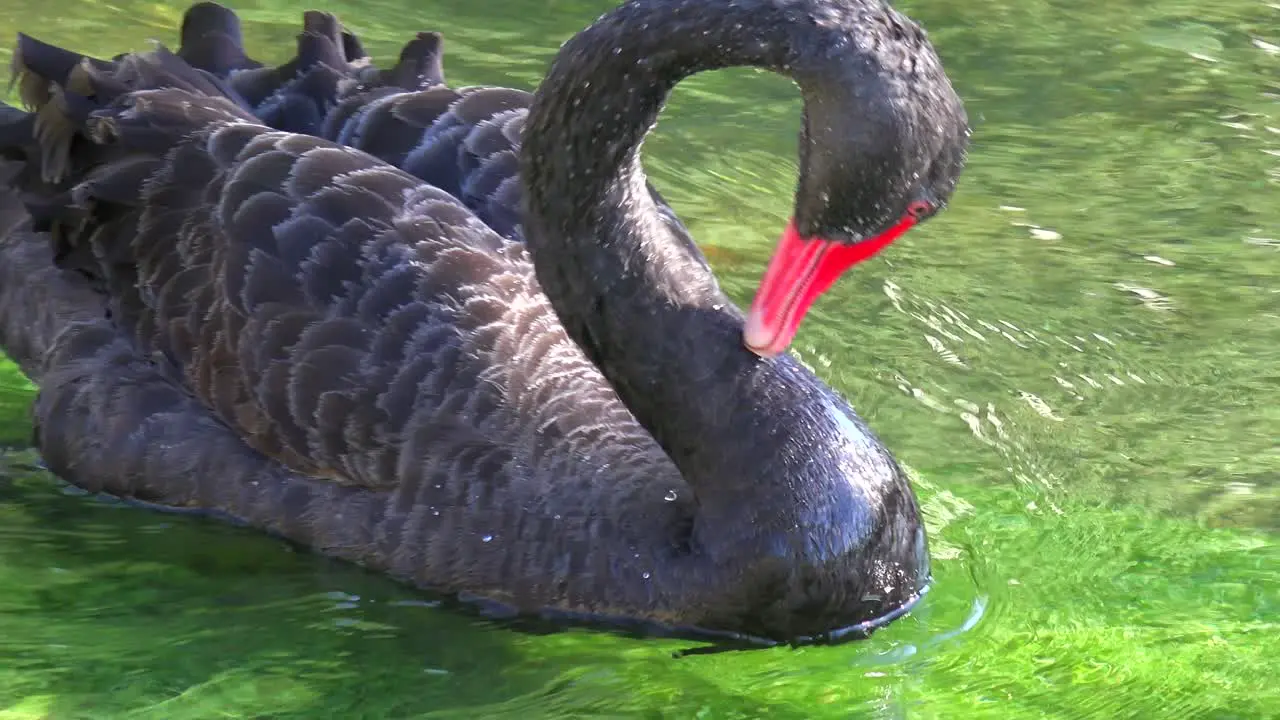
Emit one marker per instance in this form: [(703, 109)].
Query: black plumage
[(500, 369)]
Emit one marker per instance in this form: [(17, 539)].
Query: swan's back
[(465, 141), (365, 329)]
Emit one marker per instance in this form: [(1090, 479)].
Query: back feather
[(344, 317)]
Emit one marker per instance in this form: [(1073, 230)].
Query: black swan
[(302, 337)]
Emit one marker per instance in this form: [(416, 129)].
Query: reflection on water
[(1077, 362)]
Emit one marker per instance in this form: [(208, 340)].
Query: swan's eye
[(919, 208)]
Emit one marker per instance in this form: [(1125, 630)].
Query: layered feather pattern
[(356, 325)]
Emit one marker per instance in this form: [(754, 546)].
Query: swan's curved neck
[(633, 292)]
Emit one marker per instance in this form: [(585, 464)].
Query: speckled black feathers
[(345, 319), (339, 334)]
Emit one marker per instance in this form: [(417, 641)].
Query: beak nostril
[(918, 208)]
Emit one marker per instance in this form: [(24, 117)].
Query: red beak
[(801, 270)]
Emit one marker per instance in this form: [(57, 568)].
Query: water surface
[(1078, 360)]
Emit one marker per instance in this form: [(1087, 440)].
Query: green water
[(1079, 358)]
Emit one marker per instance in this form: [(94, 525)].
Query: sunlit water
[(1078, 360)]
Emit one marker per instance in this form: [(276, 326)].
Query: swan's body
[(320, 344)]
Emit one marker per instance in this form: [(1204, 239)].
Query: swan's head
[(882, 146)]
